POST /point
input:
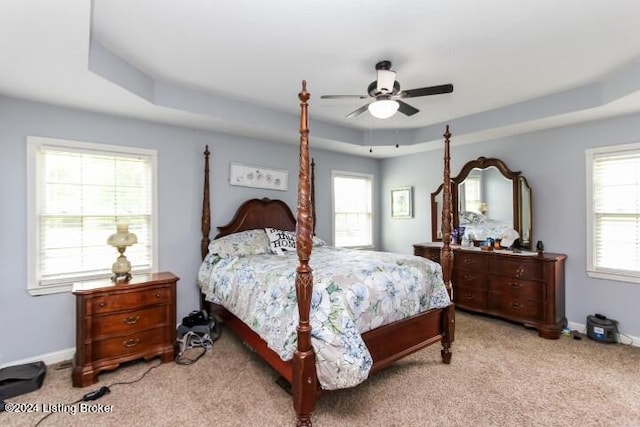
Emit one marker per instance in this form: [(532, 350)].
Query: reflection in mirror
[(487, 199), (487, 192)]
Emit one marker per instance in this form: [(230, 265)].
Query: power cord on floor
[(97, 394), (620, 334)]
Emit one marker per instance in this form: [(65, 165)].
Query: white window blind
[(472, 194), (352, 210), (614, 212), (79, 192)]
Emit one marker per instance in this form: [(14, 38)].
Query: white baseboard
[(48, 358), (622, 338)]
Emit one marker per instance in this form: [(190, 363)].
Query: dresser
[(124, 321), (526, 288)]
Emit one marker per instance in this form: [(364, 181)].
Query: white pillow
[(318, 241), (281, 241), (250, 242)]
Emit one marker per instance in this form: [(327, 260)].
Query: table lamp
[(120, 240)]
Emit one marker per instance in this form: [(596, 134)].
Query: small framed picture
[(401, 202)]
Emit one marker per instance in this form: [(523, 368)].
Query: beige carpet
[(501, 375)]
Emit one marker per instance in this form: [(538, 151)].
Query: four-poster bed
[(385, 342)]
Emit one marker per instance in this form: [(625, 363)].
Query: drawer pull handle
[(468, 296), (131, 342), (468, 277), (519, 272), (469, 261), (131, 320), (102, 304), (516, 306), (157, 294), (516, 285)]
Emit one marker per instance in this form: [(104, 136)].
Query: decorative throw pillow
[(281, 241), (249, 242)]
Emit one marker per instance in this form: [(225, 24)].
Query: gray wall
[(34, 326), (553, 161)]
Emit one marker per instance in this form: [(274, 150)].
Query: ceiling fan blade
[(424, 91), (358, 111), (344, 96), (406, 109)]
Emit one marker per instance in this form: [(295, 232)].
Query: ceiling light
[(384, 108)]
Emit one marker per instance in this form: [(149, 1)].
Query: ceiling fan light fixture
[(386, 79), (384, 108)]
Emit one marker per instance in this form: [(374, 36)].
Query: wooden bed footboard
[(386, 344)]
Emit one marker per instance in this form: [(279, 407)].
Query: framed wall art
[(401, 202), (258, 177)]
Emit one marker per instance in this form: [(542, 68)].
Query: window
[(77, 192), (352, 209), (470, 196), (613, 212)]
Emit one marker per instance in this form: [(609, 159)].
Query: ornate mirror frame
[(521, 197)]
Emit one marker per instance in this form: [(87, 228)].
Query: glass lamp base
[(121, 269), (121, 277)]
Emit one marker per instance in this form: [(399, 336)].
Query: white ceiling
[(236, 66)]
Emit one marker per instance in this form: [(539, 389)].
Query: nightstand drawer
[(126, 345), (128, 322), (129, 300)]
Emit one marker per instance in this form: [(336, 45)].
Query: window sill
[(49, 289), (616, 276)]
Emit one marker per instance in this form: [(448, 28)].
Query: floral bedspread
[(354, 291)]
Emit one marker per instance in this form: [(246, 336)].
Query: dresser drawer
[(520, 308), (128, 322), (110, 303), (470, 261), (126, 345), (469, 279), (470, 298), (519, 269), (429, 253), (517, 287)]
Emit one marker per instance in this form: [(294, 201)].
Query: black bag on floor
[(21, 379)]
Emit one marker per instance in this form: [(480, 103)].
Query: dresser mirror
[(489, 200)]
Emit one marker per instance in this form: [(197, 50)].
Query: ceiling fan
[(386, 96)]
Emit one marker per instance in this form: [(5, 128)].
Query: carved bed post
[(446, 255), (206, 208), (313, 194), (205, 219), (304, 382)]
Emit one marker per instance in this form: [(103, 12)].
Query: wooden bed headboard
[(260, 213)]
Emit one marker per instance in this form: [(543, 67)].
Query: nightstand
[(124, 321)]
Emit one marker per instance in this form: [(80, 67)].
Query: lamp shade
[(386, 80), (384, 108), (122, 237)]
